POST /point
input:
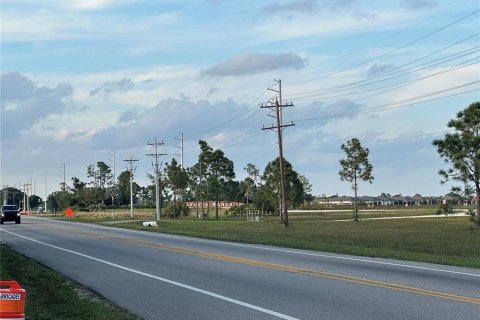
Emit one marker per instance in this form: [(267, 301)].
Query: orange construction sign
[(69, 212), (12, 300)]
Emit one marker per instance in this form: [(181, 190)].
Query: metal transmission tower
[(131, 169), (180, 147), (277, 107), (62, 176), (26, 204), (156, 167), (44, 180)]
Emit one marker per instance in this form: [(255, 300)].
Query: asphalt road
[(159, 276)]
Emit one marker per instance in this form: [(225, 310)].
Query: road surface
[(159, 276)]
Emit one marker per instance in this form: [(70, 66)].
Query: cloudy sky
[(81, 78)]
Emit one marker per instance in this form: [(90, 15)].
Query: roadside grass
[(49, 295), (347, 214), (449, 241), (149, 214)]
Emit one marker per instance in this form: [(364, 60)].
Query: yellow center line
[(286, 268)]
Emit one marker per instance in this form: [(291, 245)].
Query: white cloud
[(329, 24), (23, 103), (377, 69), (108, 87), (420, 4), (253, 63), (302, 6), (91, 4)]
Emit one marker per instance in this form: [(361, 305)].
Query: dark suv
[(10, 213)]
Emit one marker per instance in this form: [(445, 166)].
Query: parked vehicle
[(10, 213)]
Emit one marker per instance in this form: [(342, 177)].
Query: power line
[(236, 117), (407, 102), (395, 85), (401, 31), (388, 52), (374, 141), (393, 71)]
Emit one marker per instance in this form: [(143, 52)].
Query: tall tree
[(177, 180), (252, 172), (355, 167), (250, 183), (195, 184), (60, 200), (461, 150), (307, 188), (218, 169), (123, 185), (34, 201), (293, 186), (266, 199), (101, 174), (248, 189), (11, 195)]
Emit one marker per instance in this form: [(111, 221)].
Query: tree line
[(211, 178)]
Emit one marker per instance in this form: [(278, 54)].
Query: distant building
[(211, 204), (382, 200)]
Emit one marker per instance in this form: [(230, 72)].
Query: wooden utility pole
[(278, 127)]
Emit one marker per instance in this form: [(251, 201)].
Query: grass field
[(50, 296), (450, 240), (446, 241)]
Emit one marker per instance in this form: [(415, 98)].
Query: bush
[(444, 209), (181, 210), (235, 210)]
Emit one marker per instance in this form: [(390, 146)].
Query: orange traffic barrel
[(12, 301)]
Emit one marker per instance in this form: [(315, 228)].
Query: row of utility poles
[(157, 165), (26, 189), (276, 106), (131, 167)]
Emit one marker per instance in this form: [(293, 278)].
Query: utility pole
[(44, 178), (156, 167), (278, 127), (180, 154), (5, 194), (180, 147), (131, 169), (114, 177), (26, 187)]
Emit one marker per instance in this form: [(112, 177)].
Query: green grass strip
[(449, 241), (49, 295)]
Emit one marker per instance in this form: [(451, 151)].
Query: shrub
[(444, 209), (181, 209)]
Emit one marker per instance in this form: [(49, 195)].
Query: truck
[(10, 212)]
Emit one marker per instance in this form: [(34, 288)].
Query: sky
[(80, 79)]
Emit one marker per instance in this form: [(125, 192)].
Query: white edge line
[(178, 284), (262, 247)]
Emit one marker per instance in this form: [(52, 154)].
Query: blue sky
[(81, 78)]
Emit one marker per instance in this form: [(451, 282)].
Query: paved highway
[(159, 276)]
